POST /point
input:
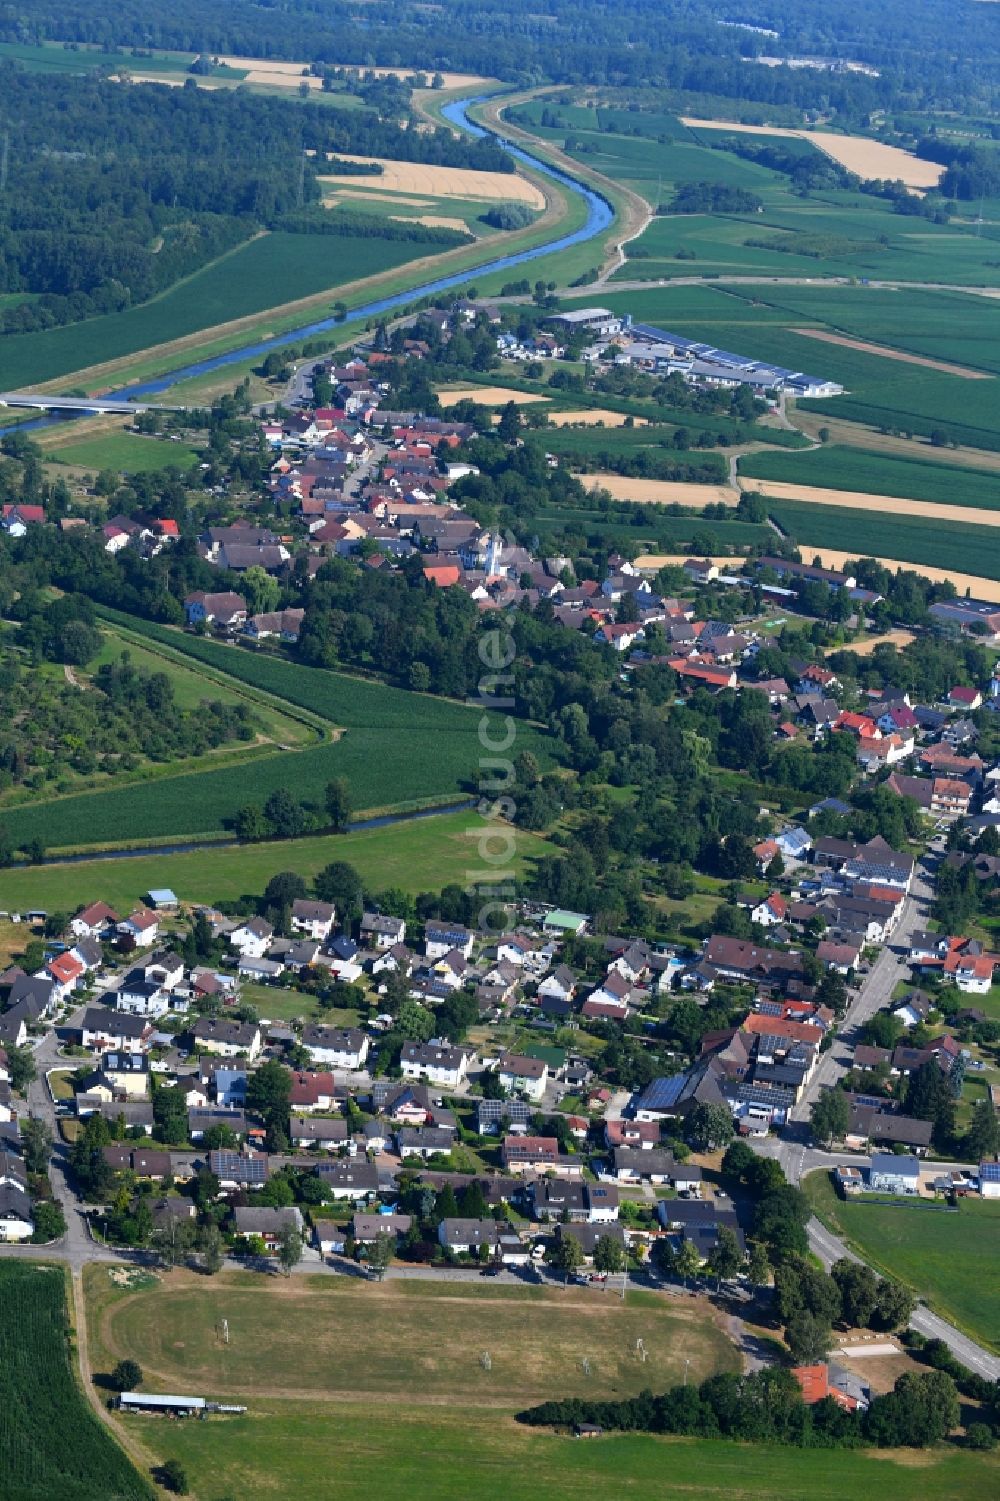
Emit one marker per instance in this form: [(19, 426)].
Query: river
[(599, 218)]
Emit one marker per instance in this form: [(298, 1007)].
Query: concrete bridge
[(98, 405)]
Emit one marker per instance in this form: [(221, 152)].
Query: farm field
[(651, 528), (858, 471), (451, 1430), (127, 453), (422, 854), (949, 1259), (77, 1460), (970, 550), (395, 748), (488, 396), (242, 282)]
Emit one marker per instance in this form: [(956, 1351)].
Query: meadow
[(839, 468), (125, 453), (422, 854), (948, 1259), (246, 280), (965, 549), (51, 1442), (384, 1387)]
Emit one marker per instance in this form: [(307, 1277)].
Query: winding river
[(599, 218)]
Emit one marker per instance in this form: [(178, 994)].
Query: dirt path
[(71, 677), (857, 435), (893, 354), (141, 1457)]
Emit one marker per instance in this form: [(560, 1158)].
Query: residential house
[(349, 1177), (239, 1169), (441, 938), (227, 1038), (468, 1237), (328, 1132), (315, 919), (519, 1074), (436, 1061), (382, 931), (424, 1141), (894, 1174), (336, 1047), (140, 929), (226, 611), (95, 921), (252, 938), (103, 1029), (270, 1225), (16, 1223)]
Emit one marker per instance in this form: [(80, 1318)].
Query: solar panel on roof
[(989, 1172), (662, 1093)]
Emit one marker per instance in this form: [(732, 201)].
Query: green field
[(422, 854), (965, 548), (948, 1259), (839, 468), (395, 748), (274, 268), (646, 527), (125, 452), (52, 1444), (384, 1386)]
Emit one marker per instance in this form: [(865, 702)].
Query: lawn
[(423, 854), (395, 748), (126, 453), (838, 468), (911, 539), (274, 268), (51, 1442), (948, 1259)]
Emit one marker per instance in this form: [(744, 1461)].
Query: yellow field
[(857, 153), (590, 416), (488, 396), (433, 221), (443, 182), (290, 75), (860, 500), (865, 648), (652, 562), (662, 492)]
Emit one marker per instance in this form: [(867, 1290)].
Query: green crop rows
[(966, 549), (839, 468), (52, 1445)]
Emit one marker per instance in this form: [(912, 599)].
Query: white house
[(435, 1061), (226, 1038), (382, 931), (252, 938), (521, 1075), (441, 938), (142, 927), (15, 1213), (315, 919), (94, 921), (103, 1028), (465, 1237), (771, 911), (336, 1047)]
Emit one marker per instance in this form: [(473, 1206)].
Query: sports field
[(384, 1387), (949, 1259), (424, 854)]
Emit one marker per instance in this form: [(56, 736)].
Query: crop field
[(385, 1387), (422, 854), (246, 280), (394, 748), (126, 453), (855, 469), (51, 1442), (866, 158), (971, 550), (948, 1259), (661, 491), (651, 529), (428, 181)]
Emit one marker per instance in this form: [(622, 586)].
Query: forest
[(625, 43), (113, 193)]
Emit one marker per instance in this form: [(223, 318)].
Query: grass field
[(121, 451), (248, 280), (949, 1259), (419, 855), (964, 549), (395, 748), (838, 468), (390, 1396), (52, 1444)]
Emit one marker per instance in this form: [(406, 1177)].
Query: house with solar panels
[(989, 1179)]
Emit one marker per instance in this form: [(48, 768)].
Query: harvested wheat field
[(860, 500), (869, 159), (892, 354), (290, 75), (443, 182), (652, 562), (865, 648), (591, 417), (661, 492), (433, 221), (488, 396)]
